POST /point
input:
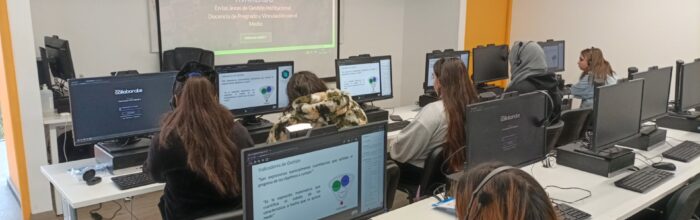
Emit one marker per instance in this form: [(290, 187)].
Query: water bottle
[(47, 100)]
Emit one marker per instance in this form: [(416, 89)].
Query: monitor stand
[(253, 123), (125, 144), (687, 114), (368, 108), (483, 88), (683, 121), (427, 98), (607, 162), (648, 137)]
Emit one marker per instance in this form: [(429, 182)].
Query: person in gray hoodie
[(528, 74)]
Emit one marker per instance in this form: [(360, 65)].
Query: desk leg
[(53, 148), (69, 213)]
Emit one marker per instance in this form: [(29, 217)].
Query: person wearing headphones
[(439, 123), (528, 74), (496, 191), (197, 151), (312, 102), (596, 72)]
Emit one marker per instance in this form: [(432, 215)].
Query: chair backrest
[(553, 134), (393, 173), (574, 123), (231, 215), (683, 203), (432, 175), (174, 59)]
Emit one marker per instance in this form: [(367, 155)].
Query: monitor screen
[(617, 112), (490, 63), (554, 55), (432, 58), (332, 176), (365, 78), (690, 95), (59, 57), (508, 130), (107, 108), (657, 86), (254, 89)]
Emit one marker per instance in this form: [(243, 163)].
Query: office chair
[(393, 173), (174, 59), (230, 215), (575, 122), (683, 203), (553, 134), (430, 178)]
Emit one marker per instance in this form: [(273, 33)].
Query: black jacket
[(188, 195), (547, 83)]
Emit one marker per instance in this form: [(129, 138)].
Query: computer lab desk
[(606, 202)]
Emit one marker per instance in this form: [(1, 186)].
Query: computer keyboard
[(643, 180), (566, 212), (395, 126), (684, 152), (129, 181)]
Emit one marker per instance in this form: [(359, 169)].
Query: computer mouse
[(395, 118), (664, 166)]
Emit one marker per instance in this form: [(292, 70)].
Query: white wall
[(631, 33), (29, 103)]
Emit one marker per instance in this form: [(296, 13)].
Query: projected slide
[(308, 186), (248, 89), (360, 79), (248, 26)]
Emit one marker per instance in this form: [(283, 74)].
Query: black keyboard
[(395, 126), (683, 152), (566, 212), (643, 180), (129, 181)]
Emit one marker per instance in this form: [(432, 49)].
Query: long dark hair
[(204, 126), (302, 84), (597, 65), (510, 194), (457, 91)]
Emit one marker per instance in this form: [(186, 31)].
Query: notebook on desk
[(447, 205)]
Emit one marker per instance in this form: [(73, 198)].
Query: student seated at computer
[(197, 151), (438, 123), (528, 74), (596, 72), (314, 103), (505, 193)]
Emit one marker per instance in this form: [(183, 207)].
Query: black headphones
[(521, 46), (477, 192), (90, 178), (194, 69)]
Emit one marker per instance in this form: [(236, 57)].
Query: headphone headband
[(521, 47), (481, 185)]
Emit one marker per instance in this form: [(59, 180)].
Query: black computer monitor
[(432, 58), (509, 130), (365, 78), (255, 88), (554, 55), (331, 176), (490, 63), (687, 89), (617, 112), (42, 65), (59, 57), (108, 108), (657, 86)]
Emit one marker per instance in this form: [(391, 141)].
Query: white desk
[(607, 201), (77, 194)]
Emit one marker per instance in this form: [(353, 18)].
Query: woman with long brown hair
[(496, 191), (596, 72), (197, 151), (439, 123)]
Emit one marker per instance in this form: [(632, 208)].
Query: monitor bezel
[(594, 146), (475, 65), (682, 102), (120, 135), (439, 55), (309, 142), (359, 60), (238, 113), (563, 55), (633, 76)]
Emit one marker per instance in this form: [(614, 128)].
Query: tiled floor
[(9, 208)]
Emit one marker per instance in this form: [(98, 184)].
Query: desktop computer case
[(646, 142), (679, 123), (568, 156), (118, 162)]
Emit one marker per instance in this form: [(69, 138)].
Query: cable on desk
[(442, 166), (569, 188), (676, 139), (65, 137), (436, 193)]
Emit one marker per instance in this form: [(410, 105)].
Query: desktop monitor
[(490, 63), (554, 55), (509, 130), (657, 86), (108, 108), (331, 176), (617, 112), (255, 88), (59, 57), (432, 58), (43, 70), (365, 78), (687, 89)]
